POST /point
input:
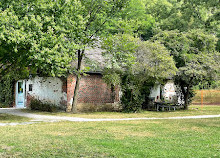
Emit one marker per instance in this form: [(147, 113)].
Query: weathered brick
[(92, 89)]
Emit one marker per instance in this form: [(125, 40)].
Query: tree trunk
[(75, 95), (113, 93), (73, 107), (186, 99), (78, 76), (185, 96)]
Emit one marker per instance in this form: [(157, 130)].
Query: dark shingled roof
[(93, 59)]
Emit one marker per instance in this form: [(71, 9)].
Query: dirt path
[(46, 118)]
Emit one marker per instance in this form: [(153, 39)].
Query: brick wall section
[(64, 86), (28, 100), (117, 98), (92, 89), (71, 80)]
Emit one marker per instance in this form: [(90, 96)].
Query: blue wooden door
[(20, 97)]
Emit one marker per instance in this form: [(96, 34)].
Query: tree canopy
[(45, 35), (157, 38), (31, 37), (195, 55)]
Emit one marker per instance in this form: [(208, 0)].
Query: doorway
[(20, 94)]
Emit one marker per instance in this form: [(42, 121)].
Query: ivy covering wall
[(6, 91)]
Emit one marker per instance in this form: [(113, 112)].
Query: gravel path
[(46, 118)]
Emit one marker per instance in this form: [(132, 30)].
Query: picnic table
[(163, 105)]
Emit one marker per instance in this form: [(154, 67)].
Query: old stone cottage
[(94, 94)]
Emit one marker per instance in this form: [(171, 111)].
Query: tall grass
[(209, 97)]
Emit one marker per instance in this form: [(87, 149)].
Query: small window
[(20, 85), (30, 87)]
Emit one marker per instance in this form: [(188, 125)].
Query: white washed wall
[(155, 91), (47, 89), (170, 93)]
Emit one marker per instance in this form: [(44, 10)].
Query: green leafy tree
[(185, 15), (154, 64), (118, 53), (119, 50), (86, 26), (155, 61), (31, 42), (46, 36), (195, 56), (133, 20), (135, 66), (31, 37)]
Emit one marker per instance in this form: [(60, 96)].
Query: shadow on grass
[(6, 118), (193, 111)]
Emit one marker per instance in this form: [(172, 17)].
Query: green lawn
[(157, 138), (193, 110), (5, 118)]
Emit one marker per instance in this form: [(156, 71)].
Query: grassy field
[(209, 97), (193, 110), (5, 118), (144, 138), (158, 138)]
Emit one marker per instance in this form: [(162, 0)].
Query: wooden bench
[(164, 105)]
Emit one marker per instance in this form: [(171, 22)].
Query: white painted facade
[(155, 92), (50, 89), (46, 89), (173, 93), (169, 92)]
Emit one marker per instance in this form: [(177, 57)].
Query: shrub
[(131, 102), (131, 98), (39, 105), (2, 105), (6, 90)]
